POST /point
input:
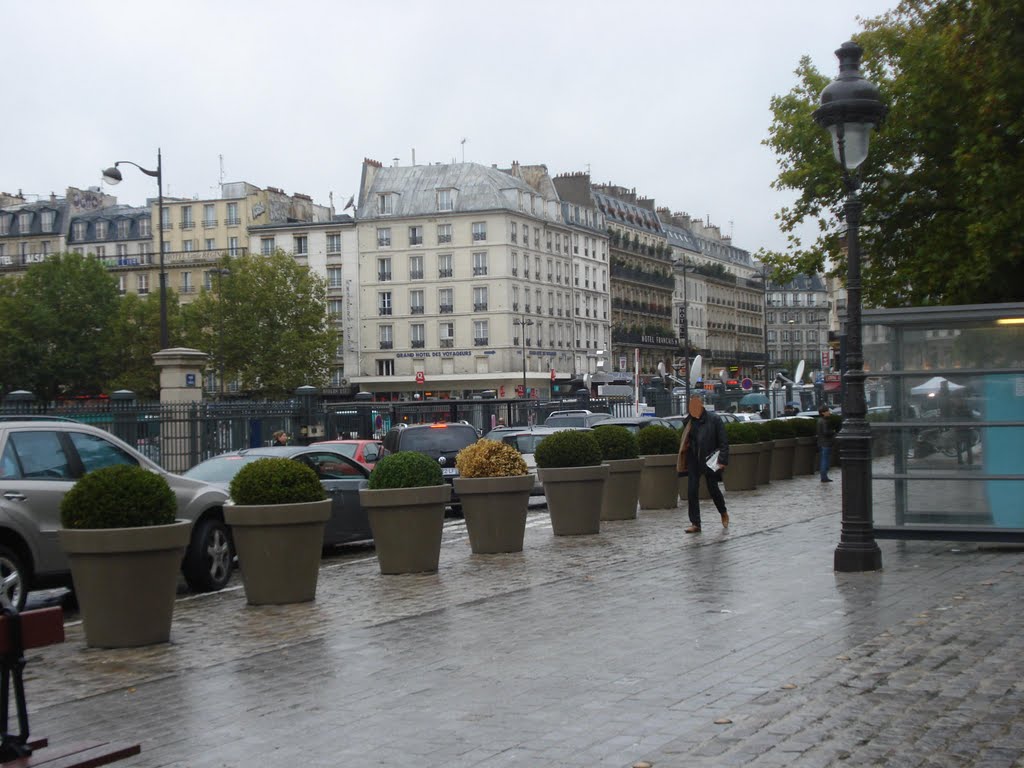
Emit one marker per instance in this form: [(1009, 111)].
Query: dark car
[(364, 451), (441, 442), (40, 461), (341, 477)]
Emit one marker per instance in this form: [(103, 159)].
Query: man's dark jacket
[(709, 431)]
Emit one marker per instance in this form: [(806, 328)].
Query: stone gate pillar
[(181, 389)]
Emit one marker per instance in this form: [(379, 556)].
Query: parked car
[(635, 423), (40, 461), (499, 432), (340, 475), (366, 452), (441, 442), (574, 418), (525, 441)]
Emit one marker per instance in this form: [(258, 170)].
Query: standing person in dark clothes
[(825, 437), (703, 437)]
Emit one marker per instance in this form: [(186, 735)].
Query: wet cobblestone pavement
[(729, 648)]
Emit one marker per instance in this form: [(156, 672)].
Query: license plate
[(449, 471)]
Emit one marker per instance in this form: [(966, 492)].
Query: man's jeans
[(826, 459)]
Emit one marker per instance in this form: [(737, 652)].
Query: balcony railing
[(480, 341), (383, 310), (416, 275), (480, 307), (479, 271), (416, 310), (387, 345), (444, 273), (418, 343), (384, 276), (447, 343), (446, 309)]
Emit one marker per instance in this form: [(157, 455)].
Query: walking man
[(825, 437), (703, 440)]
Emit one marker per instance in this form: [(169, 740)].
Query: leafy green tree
[(136, 330), (56, 325), (941, 186), (264, 322)]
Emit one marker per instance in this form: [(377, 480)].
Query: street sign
[(552, 374), (747, 383), (622, 363), (190, 379), (420, 377)]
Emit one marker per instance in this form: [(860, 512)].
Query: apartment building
[(689, 295), (641, 281), (465, 281), (121, 237), (329, 249), (798, 323), (30, 230)]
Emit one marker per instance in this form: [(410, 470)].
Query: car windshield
[(345, 449), (220, 469), (525, 443), (566, 421)]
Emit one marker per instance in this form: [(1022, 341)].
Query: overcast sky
[(671, 97)]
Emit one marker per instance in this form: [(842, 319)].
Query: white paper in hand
[(712, 461)]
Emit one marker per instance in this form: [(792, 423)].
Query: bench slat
[(82, 754), (39, 627)]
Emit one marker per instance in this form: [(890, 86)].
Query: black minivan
[(441, 442)]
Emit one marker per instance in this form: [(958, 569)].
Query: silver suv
[(41, 459)]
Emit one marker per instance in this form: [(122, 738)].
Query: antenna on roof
[(463, 143)]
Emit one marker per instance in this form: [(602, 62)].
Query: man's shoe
[(725, 519), (827, 480), (693, 529)]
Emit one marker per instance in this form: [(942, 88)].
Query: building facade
[(798, 324), (465, 282)]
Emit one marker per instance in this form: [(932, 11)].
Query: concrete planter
[(764, 464), (495, 511), (622, 491), (279, 548), (575, 496), (407, 524), (659, 487), (126, 581), (782, 460), (805, 456), (741, 474)]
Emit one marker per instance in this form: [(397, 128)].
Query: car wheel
[(12, 579), (208, 561)]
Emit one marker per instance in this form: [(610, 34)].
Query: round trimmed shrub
[(119, 496), (805, 427), (656, 439), (405, 469), (781, 429), (616, 442), (741, 433), (568, 448), (276, 481), (764, 432), (490, 458)]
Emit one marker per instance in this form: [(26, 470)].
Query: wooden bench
[(35, 629)]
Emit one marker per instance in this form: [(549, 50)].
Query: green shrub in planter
[(276, 481), (405, 469), (741, 433), (656, 439), (805, 427), (781, 429), (119, 496), (568, 448), (764, 432), (616, 442)]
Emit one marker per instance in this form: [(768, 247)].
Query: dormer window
[(25, 222), (78, 231), (385, 204), (445, 200), (101, 230), (48, 219)]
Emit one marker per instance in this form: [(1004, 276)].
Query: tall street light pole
[(684, 333), (221, 273), (113, 176), (523, 325), (851, 108)]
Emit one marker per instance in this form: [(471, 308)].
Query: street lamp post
[(523, 325), (113, 176), (684, 333), (850, 108)]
